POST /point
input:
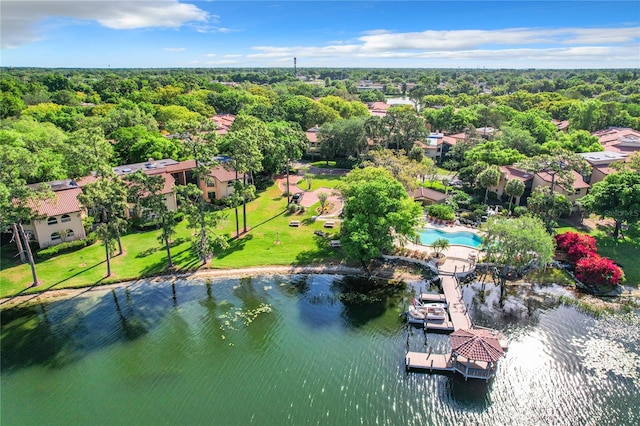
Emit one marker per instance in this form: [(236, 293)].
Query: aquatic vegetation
[(237, 316)]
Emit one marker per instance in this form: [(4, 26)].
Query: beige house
[(534, 180), (601, 163), (313, 147), (428, 196), (62, 216), (509, 173), (578, 190), (63, 213)]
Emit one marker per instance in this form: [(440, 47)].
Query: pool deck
[(459, 258)]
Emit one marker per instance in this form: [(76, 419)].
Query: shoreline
[(382, 270), (64, 293)]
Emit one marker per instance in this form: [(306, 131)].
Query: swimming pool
[(428, 236)]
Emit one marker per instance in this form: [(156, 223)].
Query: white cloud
[(21, 20), (174, 49), (580, 47)]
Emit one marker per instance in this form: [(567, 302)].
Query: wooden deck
[(439, 325), (432, 298), (457, 310), (443, 362), (431, 362)]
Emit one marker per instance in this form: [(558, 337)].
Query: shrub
[(576, 245), (519, 211), (178, 217), (67, 247), (599, 271), (441, 211)]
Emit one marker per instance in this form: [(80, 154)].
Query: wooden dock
[(439, 326), (432, 298), (443, 362), (459, 320), (457, 309), (431, 362)]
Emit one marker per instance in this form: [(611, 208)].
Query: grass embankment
[(624, 250), (270, 241)]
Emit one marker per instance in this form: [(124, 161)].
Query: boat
[(435, 311), (415, 315), (419, 312)]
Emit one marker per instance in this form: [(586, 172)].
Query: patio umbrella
[(476, 344)]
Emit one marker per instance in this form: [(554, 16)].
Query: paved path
[(311, 197)]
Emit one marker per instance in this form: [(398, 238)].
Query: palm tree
[(514, 188), (440, 245), (488, 178)]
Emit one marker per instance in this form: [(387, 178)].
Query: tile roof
[(312, 134), (513, 173), (224, 173), (62, 202), (223, 122), (476, 345), (578, 182)]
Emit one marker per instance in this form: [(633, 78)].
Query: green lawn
[(270, 241), (319, 181), (625, 251), (322, 164)]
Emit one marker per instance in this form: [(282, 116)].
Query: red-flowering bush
[(578, 251), (598, 270), (576, 245), (568, 240)]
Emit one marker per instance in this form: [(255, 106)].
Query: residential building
[(61, 215), (428, 196), (578, 190), (313, 147), (600, 163), (509, 173), (223, 122), (619, 139), (378, 108)]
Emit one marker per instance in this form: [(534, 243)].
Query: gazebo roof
[(476, 344)]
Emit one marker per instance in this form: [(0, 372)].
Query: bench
[(329, 224), (295, 223)]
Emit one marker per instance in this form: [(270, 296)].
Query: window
[(211, 195), (65, 218), (55, 236), (68, 233), (52, 221), (230, 184)]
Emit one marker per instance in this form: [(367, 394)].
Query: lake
[(291, 350)]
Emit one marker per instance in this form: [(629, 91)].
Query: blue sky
[(391, 34)]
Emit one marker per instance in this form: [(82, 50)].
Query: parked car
[(297, 197)]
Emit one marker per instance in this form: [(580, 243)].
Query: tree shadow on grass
[(51, 286), (160, 247), (235, 245)]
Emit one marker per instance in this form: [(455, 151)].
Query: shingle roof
[(428, 193)]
